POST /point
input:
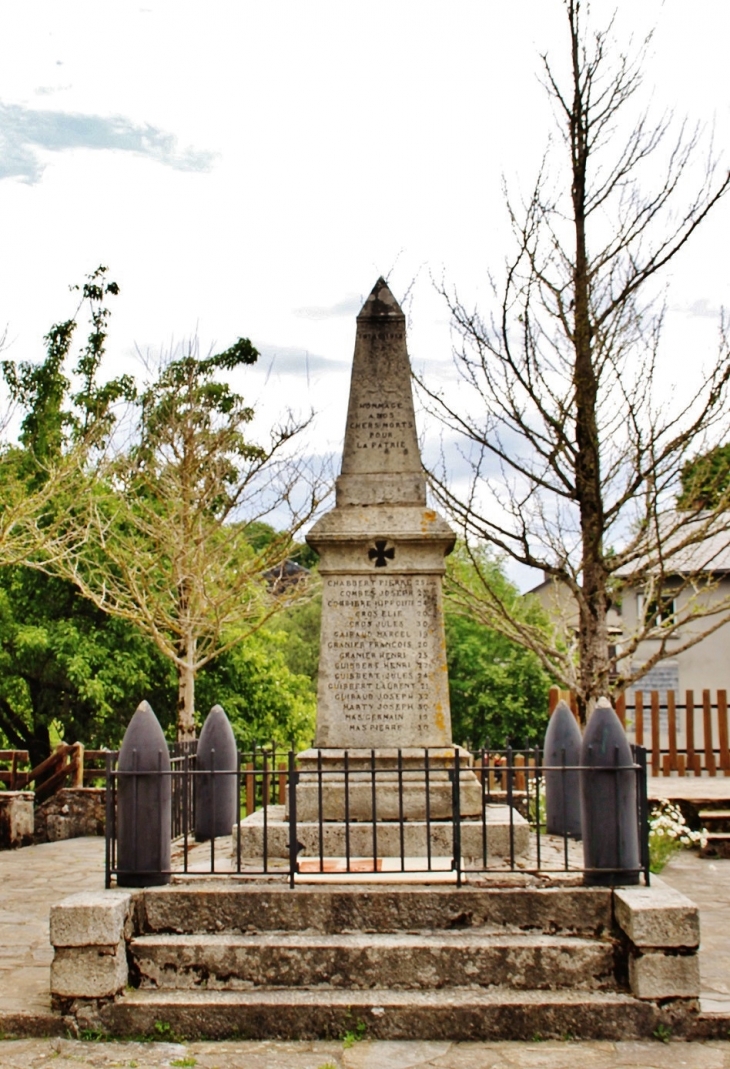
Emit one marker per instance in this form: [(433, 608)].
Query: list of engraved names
[(382, 648)]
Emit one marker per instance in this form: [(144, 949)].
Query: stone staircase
[(394, 962)]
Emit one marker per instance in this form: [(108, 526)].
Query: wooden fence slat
[(672, 726), (250, 791), (283, 769), (681, 764), (553, 699), (621, 708), (639, 717), (689, 702), (519, 764), (655, 739), (707, 724), (722, 731)]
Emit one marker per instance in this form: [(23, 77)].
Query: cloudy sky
[(251, 168)]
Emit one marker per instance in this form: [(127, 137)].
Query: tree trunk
[(593, 633), (186, 693)]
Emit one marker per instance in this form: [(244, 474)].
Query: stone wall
[(71, 813), (16, 819)]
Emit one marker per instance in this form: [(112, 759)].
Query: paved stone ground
[(707, 882), (33, 878), (70, 1054)]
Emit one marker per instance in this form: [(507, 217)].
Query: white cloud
[(25, 131)]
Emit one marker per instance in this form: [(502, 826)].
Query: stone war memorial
[(383, 682), (383, 750), (460, 917)]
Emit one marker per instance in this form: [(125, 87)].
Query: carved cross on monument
[(380, 554)]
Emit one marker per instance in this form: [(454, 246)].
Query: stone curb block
[(91, 919), (88, 933), (659, 975), (657, 916), (89, 972)]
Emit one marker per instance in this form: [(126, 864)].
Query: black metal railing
[(469, 819)]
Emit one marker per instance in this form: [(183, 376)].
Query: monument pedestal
[(385, 784), (419, 840)]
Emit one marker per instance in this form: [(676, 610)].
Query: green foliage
[(662, 1033), (355, 1034), (669, 832), (66, 666), (264, 700), (300, 626), (54, 415), (63, 662), (498, 688), (705, 480), (92, 1035)]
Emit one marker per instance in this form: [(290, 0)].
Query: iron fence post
[(293, 845), (639, 754), (456, 817), (108, 828)]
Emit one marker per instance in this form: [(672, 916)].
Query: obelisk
[(383, 682)]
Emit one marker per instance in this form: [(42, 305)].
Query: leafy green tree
[(163, 540), (498, 688), (263, 698), (67, 668), (300, 625), (67, 413), (705, 480)]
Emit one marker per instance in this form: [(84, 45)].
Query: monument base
[(387, 843), (412, 784)]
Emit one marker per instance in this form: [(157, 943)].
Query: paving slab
[(32, 879), (239, 1054), (691, 788), (707, 882)]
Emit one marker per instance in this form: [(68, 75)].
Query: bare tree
[(162, 538), (575, 457)]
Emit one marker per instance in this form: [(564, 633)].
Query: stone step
[(246, 907), (448, 1013), (358, 960)]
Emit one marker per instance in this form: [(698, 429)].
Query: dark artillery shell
[(216, 795), (562, 789), (609, 802), (144, 809)]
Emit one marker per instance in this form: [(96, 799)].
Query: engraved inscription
[(383, 651), (382, 425)]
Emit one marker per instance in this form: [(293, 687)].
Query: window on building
[(658, 611)]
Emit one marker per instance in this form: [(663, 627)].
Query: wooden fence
[(70, 764), (687, 737)]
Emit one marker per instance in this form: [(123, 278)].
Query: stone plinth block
[(657, 916), (16, 819), (340, 796), (659, 975), (89, 971), (415, 836), (91, 919), (382, 669)]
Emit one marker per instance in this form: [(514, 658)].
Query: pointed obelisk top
[(381, 463), (381, 302)]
